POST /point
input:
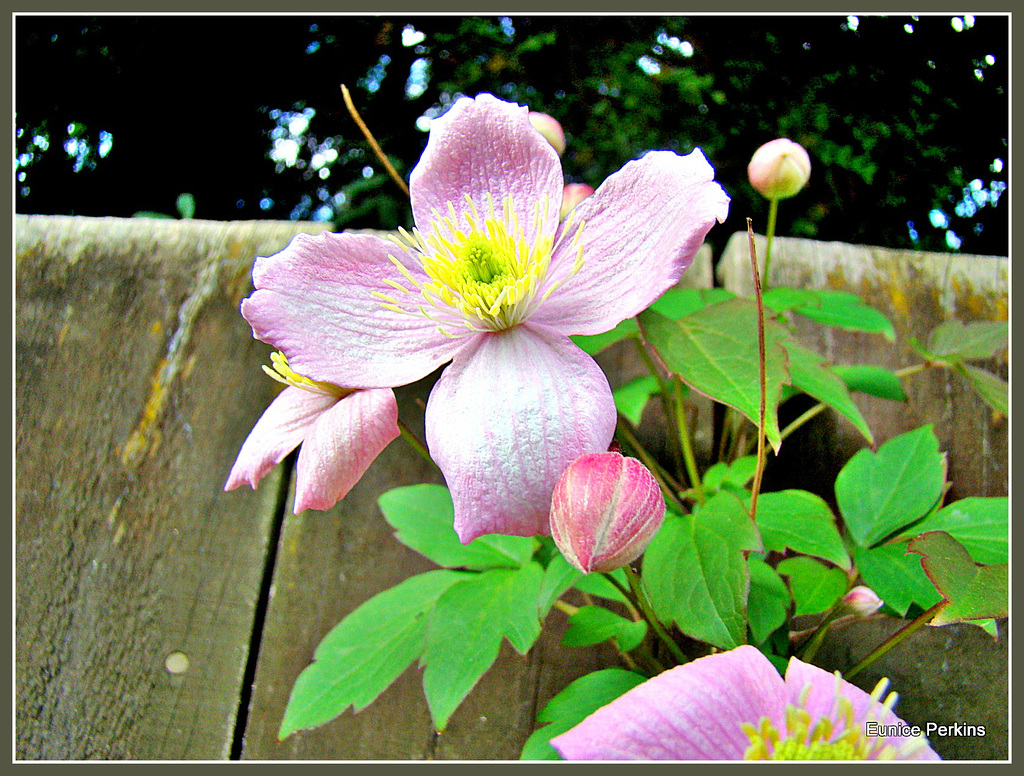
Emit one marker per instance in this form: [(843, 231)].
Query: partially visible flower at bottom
[(735, 706), (341, 432)]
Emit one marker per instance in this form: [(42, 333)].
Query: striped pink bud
[(779, 169), (605, 510)]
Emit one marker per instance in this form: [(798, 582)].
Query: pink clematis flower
[(491, 280), (735, 706), (341, 432)]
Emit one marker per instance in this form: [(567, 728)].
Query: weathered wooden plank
[(332, 562), (917, 291), (137, 381)]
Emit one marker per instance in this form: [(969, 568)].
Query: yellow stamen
[(483, 273), (286, 375)]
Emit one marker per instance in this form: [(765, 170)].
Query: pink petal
[(280, 430), (691, 712), (342, 444), (505, 419), (486, 146), (643, 226), (315, 302), (820, 701)]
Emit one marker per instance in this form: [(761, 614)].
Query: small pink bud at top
[(862, 601), (779, 169), (572, 195), (605, 510), (550, 128)]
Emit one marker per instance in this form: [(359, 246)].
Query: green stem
[(773, 213), (413, 440), (652, 620), (913, 370), (899, 636), (684, 439), (756, 487), (662, 477)]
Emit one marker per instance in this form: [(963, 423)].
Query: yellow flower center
[(286, 375), (839, 736), (487, 277)]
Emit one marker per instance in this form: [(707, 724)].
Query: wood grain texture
[(137, 381), (917, 292)]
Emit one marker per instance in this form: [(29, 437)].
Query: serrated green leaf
[(879, 493), (971, 592), (695, 571), (981, 525), (802, 522), (768, 602), (559, 576), (988, 625), (594, 624), (574, 704), (956, 341), (678, 302), (362, 655), (423, 519), (631, 398), (872, 380), (846, 311), (809, 376), (715, 351), (896, 578), (592, 344), (737, 473), (465, 630), (993, 389), (815, 586)]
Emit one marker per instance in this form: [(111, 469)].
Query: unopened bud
[(572, 195), (550, 128), (862, 601), (779, 169), (605, 510)]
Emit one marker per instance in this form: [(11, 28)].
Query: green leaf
[(678, 302), (366, 652), (981, 525), (800, 521), (695, 571), (423, 519), (465, 631), (991, 388), (881, 492), (631, 398), (597, 584), (896, 578), (812, 378), (715, 351), (971, 592), (768, 602), (954, 341), (594, 624), (738, 473), (815, 586), (592, 344), (872, 380), (782, 298), (559, 576), (574, 704), (846, 311)]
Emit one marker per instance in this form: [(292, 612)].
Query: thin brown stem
[(372, 141), (756, 488)]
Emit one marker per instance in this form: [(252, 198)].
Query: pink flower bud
[(605, 510), (862, 601), (572, 195), (779, 169), (550, 128)]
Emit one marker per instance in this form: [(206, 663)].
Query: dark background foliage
[(905, 118)]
